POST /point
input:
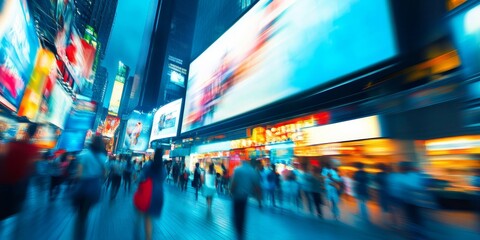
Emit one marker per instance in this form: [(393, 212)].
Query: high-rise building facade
[(118, 87), (83, 13), (100, 84), (102, 21)]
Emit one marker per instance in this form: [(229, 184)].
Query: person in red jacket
[(16, 166)]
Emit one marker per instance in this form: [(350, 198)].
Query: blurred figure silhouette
[(91, 172), (175, 171), (314, 189), (268, 184), (127, 174), (184, 178), (16, 167), (361, 190), (333, 187), (116, 176), (149, 197), (58, 174), (245, 182), (208, 189), (197, 181), (278, 184), (384, 197), (476, 196), (290, 190)]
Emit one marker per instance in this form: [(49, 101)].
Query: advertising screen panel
[(466, 29), (138, 131), (18, 50), (165, 121), (72, 140), (110, 126), (280, 49), (116, 98), (59, 104)]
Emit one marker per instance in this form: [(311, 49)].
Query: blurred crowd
[(402, 191)]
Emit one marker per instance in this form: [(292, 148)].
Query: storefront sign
[(358, 129)]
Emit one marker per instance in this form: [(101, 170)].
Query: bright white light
[(472, 20)]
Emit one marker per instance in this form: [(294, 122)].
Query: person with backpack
[(149, 197)]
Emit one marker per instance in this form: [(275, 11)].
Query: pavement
[(185, 218)]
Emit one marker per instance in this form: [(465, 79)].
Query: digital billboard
[(117, 91), (466, 29), (72, 140), (110, 126), (280, 49), (59, 105), (18, 51), (138, 131), (165, 121)]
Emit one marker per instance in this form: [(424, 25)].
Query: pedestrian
[(127, 174), (16, 167), (197, 182), (149, 197), (58, 174), (384, 198), (268, 184), (278, 184), (361, 190), (314, 190), (245, 182), (185, 173), (291, 190), (91, 172), (333, 187), (116, 176), (175, 172), (208, 189)]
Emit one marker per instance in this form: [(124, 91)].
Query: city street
[(182, 218)]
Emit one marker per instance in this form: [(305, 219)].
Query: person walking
[(384, 198), (116, 172), (149, 197), (127, 174), (245, 182), (184, 178), (332, 186), (91, 172), (16, 167), (314, 190), (208, 189), (268, 184), (361, 190), (197, 182), (58, 174)]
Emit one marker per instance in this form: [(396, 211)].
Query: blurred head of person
[(97, 145), (360, 165), (274, 167), (211, 168), (155, 169), (197, 165), (31, 130)]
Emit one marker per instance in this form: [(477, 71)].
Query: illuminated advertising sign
[(138, 131), (466, 29), (110, 126), (165, 121), (34, 92), (280, 49), (72, 140), (59, 104), (116, 98), (117, 91), (176, 72), (18, 51)]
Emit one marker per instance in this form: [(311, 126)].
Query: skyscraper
[(102, 20), (118, 86), (100, 84)]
